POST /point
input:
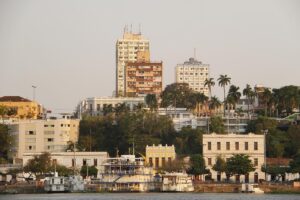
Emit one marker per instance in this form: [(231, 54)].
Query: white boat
[(177, 182), (251, 188), (63, 184)]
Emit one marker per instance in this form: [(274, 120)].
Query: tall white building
[(131, 48), (227, 145), (194, 73), (35, 136)]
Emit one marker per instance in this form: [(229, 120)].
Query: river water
[(149, 196)]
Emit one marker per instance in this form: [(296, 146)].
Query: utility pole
[(33, 92)]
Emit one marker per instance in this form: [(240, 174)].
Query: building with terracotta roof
[(21, 108)]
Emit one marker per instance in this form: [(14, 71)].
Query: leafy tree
[(239, 164), (197, 165), (214, 103), (275, 171), (151, 101), (91, 170), (295, 164), (176, 95), (220, 165), (5, 142), (293, 140), (107, 109), (223, 81), (192, 137), (216, 124), (39, 164)]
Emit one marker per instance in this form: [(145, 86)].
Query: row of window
[(193, 74), (236, 146), (85, 162), (156, 161), (255, 161), (192, 68)]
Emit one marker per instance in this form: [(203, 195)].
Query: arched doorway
[(255, 177), (219, 177), (247, 178)]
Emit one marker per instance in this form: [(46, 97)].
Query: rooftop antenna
[(140, 30)]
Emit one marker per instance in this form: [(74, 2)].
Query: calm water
[(149, 196)]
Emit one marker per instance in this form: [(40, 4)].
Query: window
[(30, 147), (237, 146), (246, 146), (227, 145), (50, 139), (255, 146), (218, 145), (209, 161), (84, 162), (169, 160), (95, 162), (255, 162), (163, 161), (31, 133), (209, 145), (150, 162), (73, 162), (156, 162), (62, 125)]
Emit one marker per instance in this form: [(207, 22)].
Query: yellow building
[(21, 108), (158, 156)]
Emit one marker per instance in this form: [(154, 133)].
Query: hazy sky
[(67, 47)]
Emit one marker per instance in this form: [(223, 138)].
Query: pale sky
[(67, 47)]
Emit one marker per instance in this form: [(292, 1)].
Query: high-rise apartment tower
[(133, 47)]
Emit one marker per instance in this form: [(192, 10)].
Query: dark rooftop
[(14, 99)]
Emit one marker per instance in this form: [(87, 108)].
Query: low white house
[(227, 145), (74, 159)]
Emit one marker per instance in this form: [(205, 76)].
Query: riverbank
[(199, 188)]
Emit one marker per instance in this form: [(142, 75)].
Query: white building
[(35, 136), (194, 73), (129, 49), (74, 159), (227, 145), (94, 106)]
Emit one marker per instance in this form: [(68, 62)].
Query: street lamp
[(265, 152)]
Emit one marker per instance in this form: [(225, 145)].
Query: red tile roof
[(13, 99)]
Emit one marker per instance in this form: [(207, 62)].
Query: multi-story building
[(227, 145), (159, 156), (131, 48), (35, 136), (23, 108), (74, 159), (194, 73), (94, 106), (142, 78)]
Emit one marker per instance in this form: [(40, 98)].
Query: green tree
[(107, 109), (224, 80), (209, 83), (234, 95), (295, 164), (239, 164), (6, 141), (275, 171), (217, 125), (176, 95), (220, 165), (248, 92), (197, 165), (91, 170), (151, 101), (39, 164)]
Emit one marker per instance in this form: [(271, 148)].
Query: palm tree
[(248, 92), (265, 98), (200, 99), (234, 95), (214, 103), (223, 81), (209, 83)]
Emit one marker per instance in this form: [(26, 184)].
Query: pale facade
[(35, 136), (94, 106), (25, 108), (227, 145), (74, 159), (194, 73), (143, 78), (159, 156), (131, 48)]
